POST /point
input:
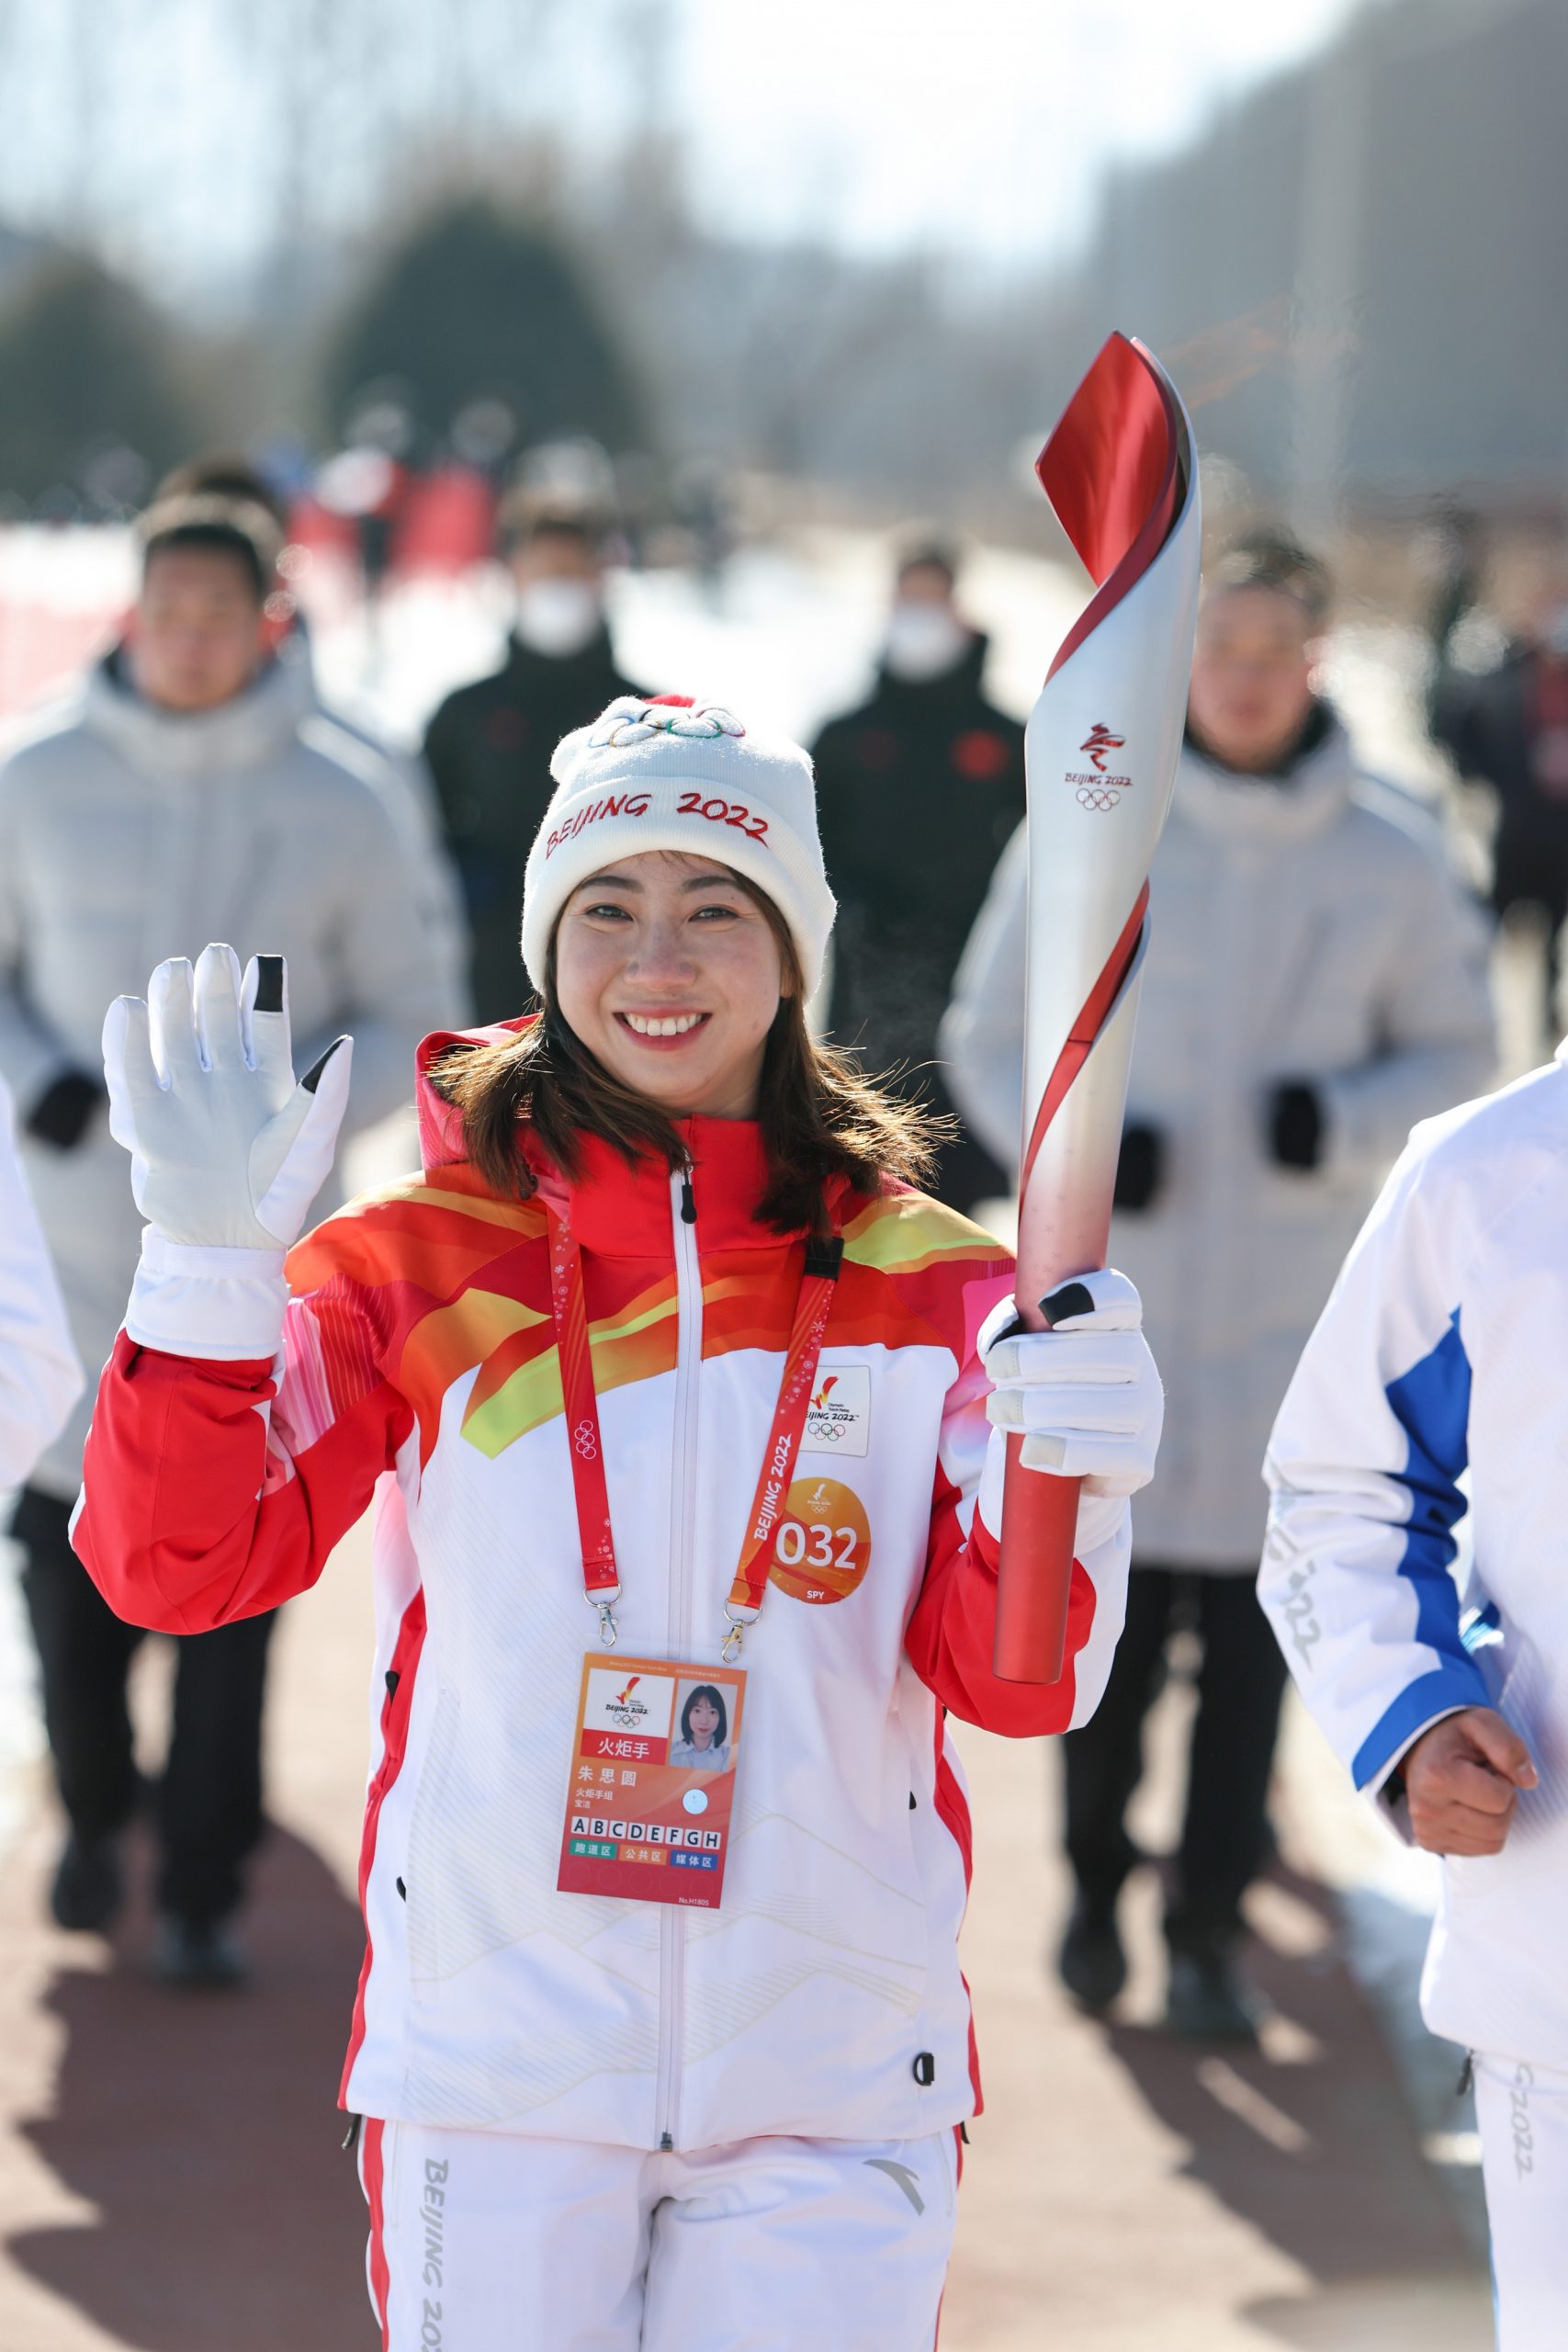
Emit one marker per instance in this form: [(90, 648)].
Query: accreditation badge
[(647, 1814)]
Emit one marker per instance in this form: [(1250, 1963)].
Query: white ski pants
[(1522, 2114), (484, 2241)]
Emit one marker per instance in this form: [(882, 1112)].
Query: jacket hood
[(250, 731), (1308, 797), (618, 1208), (440, 1122)]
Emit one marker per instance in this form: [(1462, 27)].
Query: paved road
[(171, 2178)]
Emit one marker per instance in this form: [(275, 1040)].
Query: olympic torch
[(1100, 752)]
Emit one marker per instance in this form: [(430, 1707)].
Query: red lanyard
[(600, 1575)]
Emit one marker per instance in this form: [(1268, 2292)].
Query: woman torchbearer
[(577, 1357)]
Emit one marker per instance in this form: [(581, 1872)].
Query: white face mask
[(923, 641), (558, 616)]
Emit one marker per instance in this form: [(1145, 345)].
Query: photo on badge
[(702, 1712)]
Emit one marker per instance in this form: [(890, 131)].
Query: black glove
[(1140, 1166), (62, 1112), (1295, 1124)]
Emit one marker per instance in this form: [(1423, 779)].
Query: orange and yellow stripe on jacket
[(448, 1278)]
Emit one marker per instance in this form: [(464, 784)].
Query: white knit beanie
[(674, 774)]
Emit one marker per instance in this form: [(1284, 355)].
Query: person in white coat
[(1433, 1387), (1314, 983), (39, 1376), (191, 789)]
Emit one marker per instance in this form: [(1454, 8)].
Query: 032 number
[(813, 1547)]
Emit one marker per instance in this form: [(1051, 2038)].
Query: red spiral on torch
[(1113, 470), (1085, 1030)]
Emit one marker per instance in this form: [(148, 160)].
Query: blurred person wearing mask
[(1316, 982), (397, 774), (488, 745), (1507, 728), (184, 794), (918, 790)]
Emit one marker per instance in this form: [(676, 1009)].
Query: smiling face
[(703, 1718), (670, 972)]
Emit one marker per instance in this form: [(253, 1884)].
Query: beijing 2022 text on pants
[(489, 2242), (1241, 1682), (210, 1799), (1522, 2113)]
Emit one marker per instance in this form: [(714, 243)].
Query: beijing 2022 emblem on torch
[(1098, 787), (1101, 750)]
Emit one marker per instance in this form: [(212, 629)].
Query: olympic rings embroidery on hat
[(630, 721)]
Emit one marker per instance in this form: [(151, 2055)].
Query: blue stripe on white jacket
[(1437, 1383)]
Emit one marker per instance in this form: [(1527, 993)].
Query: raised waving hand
[(227, 1151)]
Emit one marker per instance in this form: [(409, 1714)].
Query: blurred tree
[(87, 368), (477, 303)]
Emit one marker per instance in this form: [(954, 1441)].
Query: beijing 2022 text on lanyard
[(657, 1741)]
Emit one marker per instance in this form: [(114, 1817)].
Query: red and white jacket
[(417, 1364)]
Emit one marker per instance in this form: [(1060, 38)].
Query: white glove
[(227, 1151), (1085, 1392)]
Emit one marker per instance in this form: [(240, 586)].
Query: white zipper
[(683, 1486)]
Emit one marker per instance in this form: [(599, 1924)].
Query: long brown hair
[(820, 1115)]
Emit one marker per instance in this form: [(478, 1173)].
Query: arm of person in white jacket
[(1363, 1470), (405, 786), (32, 1057), (436, 883), (1438, 1043), (396, 983), (39, 1376), (981, 1040)]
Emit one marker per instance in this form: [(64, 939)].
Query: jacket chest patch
[(838, 1419), (822, 1547)]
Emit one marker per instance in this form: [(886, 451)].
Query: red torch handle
[(1040, 1513)]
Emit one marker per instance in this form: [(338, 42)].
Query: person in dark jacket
[(1507, 728), (919, 790), (490, 743)]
